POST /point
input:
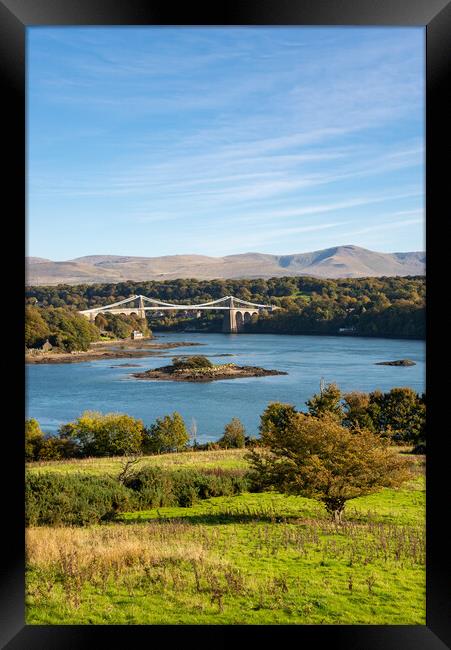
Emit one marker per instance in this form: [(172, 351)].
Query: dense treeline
[(94, 434), (62, 328), (398, 415), (121, 325), (388, 306), (65, 329)]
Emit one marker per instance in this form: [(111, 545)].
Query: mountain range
[(337, 262)]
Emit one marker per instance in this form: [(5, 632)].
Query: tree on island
[(318, 458), (196, 361), (166, 434), (234, 435)]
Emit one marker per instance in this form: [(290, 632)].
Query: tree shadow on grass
[(214, 519)]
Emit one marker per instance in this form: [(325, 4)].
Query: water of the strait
[(58, 393)]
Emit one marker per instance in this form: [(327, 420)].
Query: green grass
[(250, 559), (232, 459), (225, 459), (402, 506)]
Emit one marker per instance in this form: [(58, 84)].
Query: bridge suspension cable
[(226, 303)]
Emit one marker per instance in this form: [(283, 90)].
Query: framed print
[(225, 217)]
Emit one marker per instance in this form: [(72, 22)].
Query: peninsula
[(111, 350)]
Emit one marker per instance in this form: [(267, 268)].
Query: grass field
[(226, 459), (249, 559)]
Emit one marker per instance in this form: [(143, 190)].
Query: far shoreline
[(129, 349), (336, 335)]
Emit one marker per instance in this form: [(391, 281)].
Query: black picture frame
[(15, 17)]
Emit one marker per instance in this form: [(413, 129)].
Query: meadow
[(224, 459), (253, 558)]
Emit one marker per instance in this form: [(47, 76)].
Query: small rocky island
[(199, 368), (399, 362)]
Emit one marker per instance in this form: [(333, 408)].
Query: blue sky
[(215, 141)]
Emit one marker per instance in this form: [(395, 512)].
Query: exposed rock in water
[(126, 365), (399, 362)]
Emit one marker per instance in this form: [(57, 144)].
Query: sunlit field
[(246, 559)]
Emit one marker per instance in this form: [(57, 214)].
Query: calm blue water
[(59, 393)]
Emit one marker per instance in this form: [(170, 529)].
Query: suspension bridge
[(237, 312)]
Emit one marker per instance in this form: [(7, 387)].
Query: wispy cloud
[(402, 223), (188, 132)]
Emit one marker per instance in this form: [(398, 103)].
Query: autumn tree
[(34, 439), (45, 447), (167, 434), (358, 411), (234, 435), (101, 322), (110, 434), (57, 448), (327, 401), (69, 330), (318, 458), (276, 416), (36, 329)]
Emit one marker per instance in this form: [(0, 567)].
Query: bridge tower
[(229, 323), (141, 310)]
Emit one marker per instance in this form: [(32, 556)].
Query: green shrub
[(196, 361), (79, 500), (154, 487), (54, 500)]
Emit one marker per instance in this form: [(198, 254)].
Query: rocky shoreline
[(108, 350), (226, 371)]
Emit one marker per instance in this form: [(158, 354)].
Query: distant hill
[(337, 262)]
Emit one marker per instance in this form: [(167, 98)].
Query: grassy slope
[(255, 558), (226, 459)]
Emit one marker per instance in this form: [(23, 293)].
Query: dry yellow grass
[(112, 547), (218, 567)]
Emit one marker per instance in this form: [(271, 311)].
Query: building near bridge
[(346, 330)]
